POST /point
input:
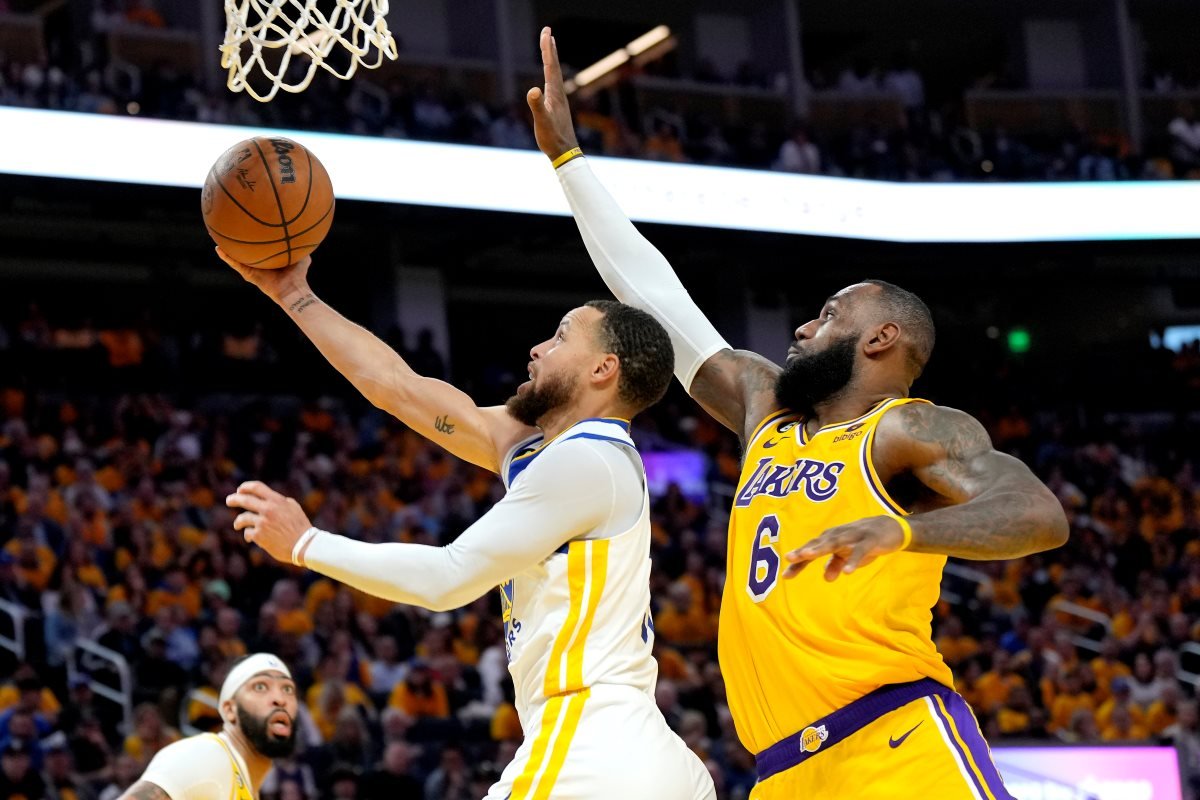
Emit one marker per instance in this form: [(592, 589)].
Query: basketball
[(267, 202)]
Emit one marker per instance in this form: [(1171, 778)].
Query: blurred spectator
[(18, 778), (1184, 130), (144, 12), (392, 778), (799, 154), (61, 780), (420, 694), (126, 770), (861, 78), (452, 778), (150, 734)]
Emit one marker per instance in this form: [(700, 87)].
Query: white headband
[(247, 669)]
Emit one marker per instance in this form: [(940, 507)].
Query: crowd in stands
[(112, 528), (933, 142)]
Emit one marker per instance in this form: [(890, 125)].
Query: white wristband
[(302, 543)]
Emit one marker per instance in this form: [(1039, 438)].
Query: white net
[(279, 44)]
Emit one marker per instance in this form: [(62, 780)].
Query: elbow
[(1055, 526), (439, 603)]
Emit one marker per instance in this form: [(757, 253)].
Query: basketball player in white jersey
[(258, 704), (568, 545)]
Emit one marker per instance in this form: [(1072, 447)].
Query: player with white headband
[(258, 704)]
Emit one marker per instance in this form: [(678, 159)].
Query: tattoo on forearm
[(443, 425), (1000, 509), (144, 790), (303, 303)]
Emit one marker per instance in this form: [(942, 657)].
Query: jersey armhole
[(774, 416)]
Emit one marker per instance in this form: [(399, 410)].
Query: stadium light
[(166, 153), (644, 45)]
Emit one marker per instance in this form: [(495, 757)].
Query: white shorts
[(605, 742)]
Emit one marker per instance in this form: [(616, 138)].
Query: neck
[(557, 421), (851, 403), (256, 763)]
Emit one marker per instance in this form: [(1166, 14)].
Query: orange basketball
[(268, 202)]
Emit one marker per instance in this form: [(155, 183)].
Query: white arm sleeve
[(196, 768), (636, 272), (576, 488)]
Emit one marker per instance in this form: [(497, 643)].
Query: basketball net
[(262, 37)]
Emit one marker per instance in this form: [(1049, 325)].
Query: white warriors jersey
[(582, 616)]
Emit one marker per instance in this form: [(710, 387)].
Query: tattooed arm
[(984, 504), (144, 790), (433, 408), (977, 503), (737, 387)]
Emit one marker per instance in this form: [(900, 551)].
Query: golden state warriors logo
[(812, 738), (508, 593)]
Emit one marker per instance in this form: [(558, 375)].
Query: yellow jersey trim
[(524, 781), (777, 414), (868, 460)]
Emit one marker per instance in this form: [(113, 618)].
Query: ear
[(229, 712), (885, 337), (606, 370)]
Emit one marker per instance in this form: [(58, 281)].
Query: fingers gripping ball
[(268, 202)]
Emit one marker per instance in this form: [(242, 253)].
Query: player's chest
[(798, 473)]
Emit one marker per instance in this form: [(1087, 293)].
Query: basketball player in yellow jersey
[(258, 704), (832, 676)]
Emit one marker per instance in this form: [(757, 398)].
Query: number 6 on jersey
[(764, 561)]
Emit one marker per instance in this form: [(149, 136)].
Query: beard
[(810, 379), (553, 392), (262, 740)]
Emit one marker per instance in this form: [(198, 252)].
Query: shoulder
[(583, 460), (196, 768), (204, 751), (923, 429)]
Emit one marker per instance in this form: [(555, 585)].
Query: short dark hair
[(644, 349), (914, 317)]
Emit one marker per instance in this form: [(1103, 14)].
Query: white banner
[(133, 150)]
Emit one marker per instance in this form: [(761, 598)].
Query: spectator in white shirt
[(859, 79), (799, 154), (1185, 139)]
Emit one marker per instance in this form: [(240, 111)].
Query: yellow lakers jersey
[(793, 650)]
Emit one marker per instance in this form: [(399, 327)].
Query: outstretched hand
[(277, 284), (551, 114), (849, 546), (268, 519)]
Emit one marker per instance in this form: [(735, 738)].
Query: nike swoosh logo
[(770, 444), (894, 743)]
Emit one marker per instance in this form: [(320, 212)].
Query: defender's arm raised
[(736, 387)]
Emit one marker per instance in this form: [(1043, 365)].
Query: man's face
[(822, 359), (266, 712), (15, 765), (557, 366)]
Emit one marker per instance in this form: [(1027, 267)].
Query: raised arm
[(736, 387), (543, 511), (979, 504), (433, 408)]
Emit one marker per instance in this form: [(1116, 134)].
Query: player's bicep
[(948, 451), (737, 388)]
